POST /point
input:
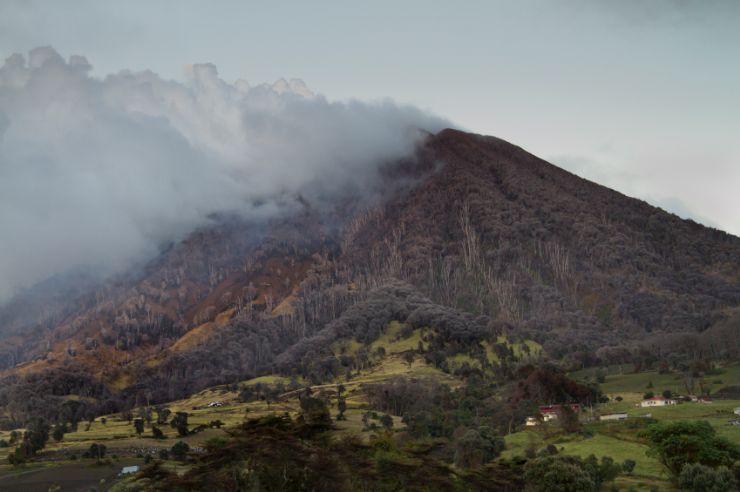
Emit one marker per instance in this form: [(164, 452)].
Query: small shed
[(128, 470)]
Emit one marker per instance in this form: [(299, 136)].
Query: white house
[(531, 421), (614, 416), (657, 401), (737, 411), (128, 470)]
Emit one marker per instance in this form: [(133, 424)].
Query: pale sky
[(641, 96)]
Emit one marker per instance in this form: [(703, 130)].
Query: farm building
[(128, 470), (614, 416), (657, 401)]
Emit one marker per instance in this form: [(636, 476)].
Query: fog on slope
[(97, 173)]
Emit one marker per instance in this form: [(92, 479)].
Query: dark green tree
[(342, 407), (314, 411), (554, 474), (696, 477), (139, 426), (386, 421), (157, 432), (95, 451), (35, 437), (58, 432), (180, 422), (408, 358), (601, 472), (180, 450), (163, 414), (493, 445), (600, 375), (676, 444), (569, 419)]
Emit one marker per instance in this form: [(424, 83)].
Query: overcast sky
[(640, 96)]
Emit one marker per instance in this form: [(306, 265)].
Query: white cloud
[(96, 173)]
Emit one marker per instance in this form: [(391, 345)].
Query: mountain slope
[(557, 253), (492, 239)]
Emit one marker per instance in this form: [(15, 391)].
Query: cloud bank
[(97, 173)]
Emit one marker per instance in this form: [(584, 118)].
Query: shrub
[(677, 444), (549, 474), (180, 450), (96, 451), (699, 478)]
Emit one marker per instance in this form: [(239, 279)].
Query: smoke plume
[(97, 173)]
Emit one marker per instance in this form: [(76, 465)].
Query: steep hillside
[(482, 238), (498, 231)]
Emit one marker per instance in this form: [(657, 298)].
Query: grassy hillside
[(621, 379), (619, 439), (389, 360), (119, 436)]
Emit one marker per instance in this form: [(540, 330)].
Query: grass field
[(619, 439), (619, 445), (620, 379)]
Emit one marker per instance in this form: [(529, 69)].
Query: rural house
[(657, 401)]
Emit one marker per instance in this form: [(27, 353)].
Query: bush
[(550, 474), (95, 451), (179, 450), (600, 376), (628, 466), (677, 444), (699, 478), (569, 473), (180, 422)]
